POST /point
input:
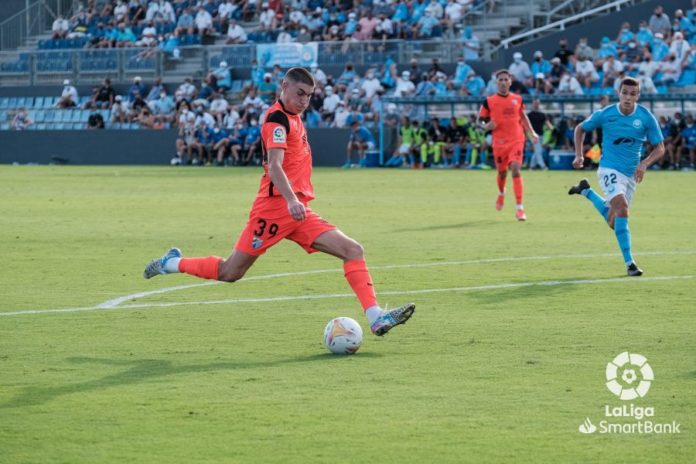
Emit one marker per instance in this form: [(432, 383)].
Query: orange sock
[(518, 187), (501, 184), (206, 268), (360, 281)]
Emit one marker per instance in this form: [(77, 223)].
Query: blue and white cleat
[(156, 266), (391, 319)]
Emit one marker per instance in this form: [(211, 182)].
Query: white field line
[(548, 283), (117, 301)]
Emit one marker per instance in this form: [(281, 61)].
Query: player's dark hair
[(629, 81), (300, 75), (502, 71)]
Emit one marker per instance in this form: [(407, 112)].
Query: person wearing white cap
[(520, 69), (267, 18), (680, 48), (404, 85), (540, 65), (221, 77), (69, 97), (330, 103)]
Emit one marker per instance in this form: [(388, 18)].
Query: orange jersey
[(285, 130), (506, 112)]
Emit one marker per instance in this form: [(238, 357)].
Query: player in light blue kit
[(625, 127)]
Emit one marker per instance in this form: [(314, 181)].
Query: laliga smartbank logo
[(629, 377)]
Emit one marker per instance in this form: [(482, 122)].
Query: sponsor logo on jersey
[(279, 135)]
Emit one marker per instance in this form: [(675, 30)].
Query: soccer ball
[(343, 335)]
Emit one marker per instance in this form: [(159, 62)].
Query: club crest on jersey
[(637, 123), (256, 243), (279, 135)]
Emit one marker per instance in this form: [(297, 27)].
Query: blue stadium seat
[(38, 102), (50, 102), (4, 102), (41, 126), (688, 77), (39, 116), (4, 126)]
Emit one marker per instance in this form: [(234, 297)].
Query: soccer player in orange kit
[(281, 210), (504, 115)]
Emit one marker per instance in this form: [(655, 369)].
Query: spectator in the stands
[(186, 23), (435, 68), (569, 85), (648, 66), (425, 26), (540, 65), (149, 36), (204, 22), (253, 103), (330, 103), (606, 49), (319, 75), (125, 37), (453, 13), (556, 72), (474, 85), (219, 107), (268, 89), (583, 51), (186, 91), (659, 22), (659, 49), (160, 11), (228, 9), (136, 88), (267, 18), (471, 43), (368, 24), (520, 69), (95, 120), (103, 98), (631, 54), (69, 97), (625, 34), (611, 68), (370, 84), (162, 108), (155, 91), (221, 78), (644, 37), (404, 85), (671, 70), (566, 55), (284, 36), (345, 78), (60, 28), (121, 11), (385, 29), (119, 112), (235, 33), (586, 72), (647, 85), (136, 106), (21, 120), (461, 72), (79, 25), (679, 47)]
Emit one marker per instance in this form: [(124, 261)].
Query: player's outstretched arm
[(280, 181), (656, 155), (579, 160)]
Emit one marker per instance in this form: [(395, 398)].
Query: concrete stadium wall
[(108, 147)]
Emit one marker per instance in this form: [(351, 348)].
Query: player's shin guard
[(518, 187), (205, 268), (598, 202), (359, 279), (623, 236)]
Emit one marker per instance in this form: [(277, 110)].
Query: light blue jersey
[(623, 136)]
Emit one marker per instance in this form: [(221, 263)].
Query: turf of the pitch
[(494, 373)]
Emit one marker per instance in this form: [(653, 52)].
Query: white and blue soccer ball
[(343, 335)]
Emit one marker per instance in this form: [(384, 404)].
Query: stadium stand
[(359, 54)]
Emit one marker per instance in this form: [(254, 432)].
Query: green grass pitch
[(503, 360)]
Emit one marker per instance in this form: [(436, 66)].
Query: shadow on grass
[(521, 293), (136, 371), (461, 225)]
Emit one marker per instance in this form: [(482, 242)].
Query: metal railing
[(37, 18)]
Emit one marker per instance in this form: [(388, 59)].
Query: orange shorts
[(507, 153), (270, 222)]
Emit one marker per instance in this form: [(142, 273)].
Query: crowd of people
[(220, 126)]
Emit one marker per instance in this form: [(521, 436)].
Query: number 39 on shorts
[(261, 228)]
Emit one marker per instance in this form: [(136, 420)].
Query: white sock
[(520, 206), (172, 265), (373, 313)]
